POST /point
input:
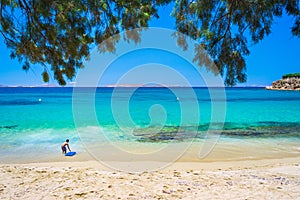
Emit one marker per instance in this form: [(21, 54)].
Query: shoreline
[(280, 89), (239, 150), (269, 178), (185, 165)]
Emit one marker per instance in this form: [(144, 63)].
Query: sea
[(231, 123)]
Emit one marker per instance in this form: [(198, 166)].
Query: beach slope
[(256, 179)]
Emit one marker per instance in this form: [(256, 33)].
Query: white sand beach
[(255, 179)]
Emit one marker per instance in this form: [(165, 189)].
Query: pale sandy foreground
[(262, 179)]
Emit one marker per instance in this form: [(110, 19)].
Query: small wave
[(19, 102), (9, 126)]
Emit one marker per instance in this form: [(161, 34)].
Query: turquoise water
[(34, 120)]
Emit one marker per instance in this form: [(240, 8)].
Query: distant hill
[(288, 82)]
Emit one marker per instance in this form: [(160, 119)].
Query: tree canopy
[(294, 75), (59, 33)]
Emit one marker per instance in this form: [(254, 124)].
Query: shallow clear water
[(36, 120)]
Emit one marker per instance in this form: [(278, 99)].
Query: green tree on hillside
[(294, 75), (59, 33)]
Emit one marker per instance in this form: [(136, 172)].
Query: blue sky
[(276, 55)]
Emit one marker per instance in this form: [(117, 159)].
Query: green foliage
[(225, 28), (294, 75), (45, 76), (59, 33)]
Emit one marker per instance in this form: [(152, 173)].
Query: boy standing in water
[(64, 147)]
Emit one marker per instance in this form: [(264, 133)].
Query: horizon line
[(142, 86)]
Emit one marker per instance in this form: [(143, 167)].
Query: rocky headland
[(288, 82)]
